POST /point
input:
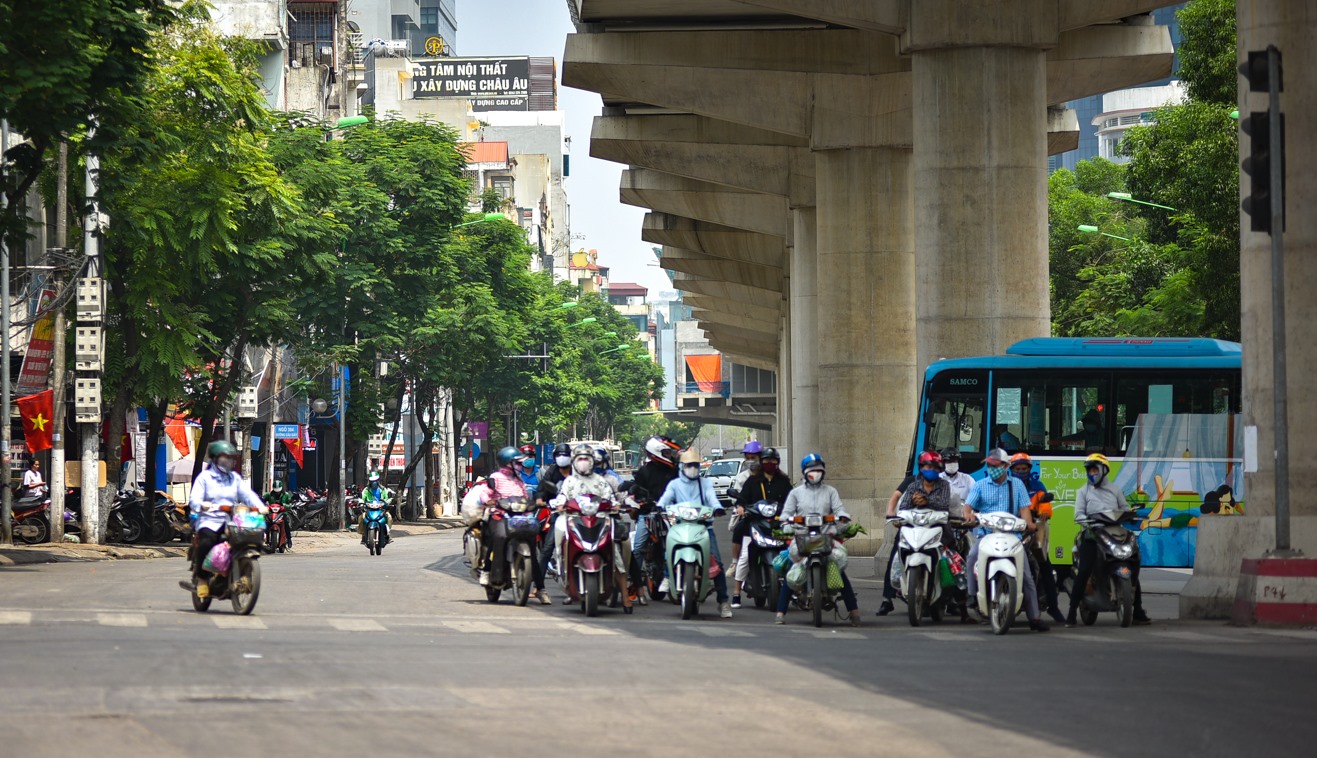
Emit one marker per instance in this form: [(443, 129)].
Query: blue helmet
[(813, 460), (507, 455)]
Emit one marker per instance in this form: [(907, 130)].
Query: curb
[(37, 555)]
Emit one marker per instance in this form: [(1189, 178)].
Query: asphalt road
[(349, 654)]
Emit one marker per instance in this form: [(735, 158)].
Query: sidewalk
[(21, 555)]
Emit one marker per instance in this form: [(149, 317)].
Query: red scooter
[(589, 553)]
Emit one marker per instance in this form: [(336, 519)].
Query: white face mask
[(224, 463), (691, 472), (814, 477), (953, 469), (563, 461), (584, 466)]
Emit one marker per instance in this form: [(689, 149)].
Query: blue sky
[(540, 27)]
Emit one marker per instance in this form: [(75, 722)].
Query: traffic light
[(1262, 70)]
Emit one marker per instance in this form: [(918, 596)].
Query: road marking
[(831, 634), (238, 622), (587, 629), (121, 619), (1083, 637), (18, 618), (1195, 637), (944, 636), (1298, 634), (357, 625), (717, 631), (475, 627)]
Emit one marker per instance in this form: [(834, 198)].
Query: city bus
[(1164, 411)]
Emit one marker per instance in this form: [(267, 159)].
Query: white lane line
[(586, 629), (357, 625), (1197, 637), (238, 622), (475, 627), (831, 634), (16, 618), (121, 619), (1070, 635), (717, 631), (944, 636)]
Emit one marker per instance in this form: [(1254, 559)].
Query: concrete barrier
[(1279, 591)]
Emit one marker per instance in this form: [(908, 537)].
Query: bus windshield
[(955, 413)]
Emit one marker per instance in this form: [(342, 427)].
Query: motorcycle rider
[(690, 487), (648, 484), (551, 478), (769, 483), (995, 493), (278, 494), (934, 491), (604, 467), (751, 454), (813, 497), (961, 483), (218, 485), (527, 468), (375, 492), (585, 481), (1040, 505), (1097, 495), (502, 483)]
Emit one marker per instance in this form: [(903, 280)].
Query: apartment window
[(310, 34), (430, 21), (503, 184)]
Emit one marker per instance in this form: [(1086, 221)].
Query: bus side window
[(1061, 411)]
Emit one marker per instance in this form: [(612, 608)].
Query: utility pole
[(270, 417), (6, 494), (57, 478), (90, 348)]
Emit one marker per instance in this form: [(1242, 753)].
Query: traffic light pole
[(1278, 365)]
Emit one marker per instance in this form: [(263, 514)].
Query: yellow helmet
[(1097, 458)]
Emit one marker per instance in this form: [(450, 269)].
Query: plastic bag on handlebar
[(782, 562), (796, 576), (834, 576), (218, 560)]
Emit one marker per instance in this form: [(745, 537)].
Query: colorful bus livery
[(1164, 411)]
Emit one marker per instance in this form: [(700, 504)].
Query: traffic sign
[(286, 432)]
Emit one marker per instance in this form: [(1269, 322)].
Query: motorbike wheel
[(818, 588), (690, 591), (590, 600), (162, 529), (282, 537), (1002, 605), (1125, 602), (521, 584), (492, 594), (114, 530), (371, 541), (132, 531), (42, 530), (245, 587), (1089, 617), (314, 523), (916, 600), (199, 605), (765, 585)]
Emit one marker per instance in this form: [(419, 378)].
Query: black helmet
[(770, 454), (507, 455), (221, 447), (949, 454), (562, 448)]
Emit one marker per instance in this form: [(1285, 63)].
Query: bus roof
[(1108, 352)]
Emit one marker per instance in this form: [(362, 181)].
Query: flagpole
[(7, 496)]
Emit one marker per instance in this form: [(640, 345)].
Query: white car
[(721, 473)]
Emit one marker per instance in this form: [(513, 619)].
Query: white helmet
[(662, 449)]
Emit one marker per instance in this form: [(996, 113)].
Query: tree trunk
[(393, 436), (223, 390), (427, 440), (427, 427)]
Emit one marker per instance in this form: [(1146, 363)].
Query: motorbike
[(815, 549), (651, 556), (763, 583), (309, 509), (377, 525), (919, 543), (588, 565), (130, 517), (1111, 587), (352, 505), (279, 535), (690, 556), (172, 519), (30, 519), (512, 531), (236, 574), (1000, 569)]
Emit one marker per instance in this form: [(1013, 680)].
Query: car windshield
[(725, 468)]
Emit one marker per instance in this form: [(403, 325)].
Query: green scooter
[(688, 553)]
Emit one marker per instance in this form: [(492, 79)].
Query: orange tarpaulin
[(706, 370)]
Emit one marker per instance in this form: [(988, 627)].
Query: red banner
[(38, 428), (295, 446), (35, 375)]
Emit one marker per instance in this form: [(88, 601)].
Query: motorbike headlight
[(814, 519), (768, 510), (588, 506), (1122, 551), (688, 513)]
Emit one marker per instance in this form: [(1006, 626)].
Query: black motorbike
[(131, 518), (30, 518), (309, 511), (1111, 586), (763, 582)]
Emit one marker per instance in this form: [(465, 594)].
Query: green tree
[(1207, 51)]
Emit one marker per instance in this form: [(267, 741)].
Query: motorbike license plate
[(523, 523)]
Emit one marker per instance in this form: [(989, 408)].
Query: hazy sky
[(540, 27)]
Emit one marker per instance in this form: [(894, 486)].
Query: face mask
[(1095, 477), (1022, 475), (814, 477), (998, 473), (953, 469), (584, 467), (691, 472), (930, 474), (768, 467), (224, 464), (563, 461)]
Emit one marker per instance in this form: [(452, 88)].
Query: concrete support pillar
[(1224, 542), (865, 340), (980, 173), (785, 421), (803, 325)]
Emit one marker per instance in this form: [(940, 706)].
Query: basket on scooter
[(246, 530), (523, 525)]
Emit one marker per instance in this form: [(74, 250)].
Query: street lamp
[(568, 305), (1130, 199), (586, 320), (486, 217), (1090, 229), (623, 346)]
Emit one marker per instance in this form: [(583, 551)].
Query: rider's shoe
[(736, 601), (725, 609), (543, 597), (1057, 616), (1141, 618), (663, 585), (1037, 625), (855, 617), (886, 608), (566, 600), (203, 589), (780, 618), (484, 578)]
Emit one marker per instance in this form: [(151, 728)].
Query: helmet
[(690, 456), (997, 457), (930, 456), (813, 460), (949, 454), (527, 450), (1021, 458), (582, 451), (506, 456), (1097, 459), (752, 448), (278, 485), (770, 454), (220, 447), (562, 448), (601, 455), (374, 477), (661, 449)]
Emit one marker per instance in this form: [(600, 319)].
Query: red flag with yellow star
[(37, 411)]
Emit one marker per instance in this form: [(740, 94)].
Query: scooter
[(813, 548), (279, 536), (130, 517), (689, 556), (919, 543), (377, 525), (513, 528), (1000, 569), (588, 560), (651, 556), (763, 583), (1111, 587), (233, 565), (30, 519), (310, 509)]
